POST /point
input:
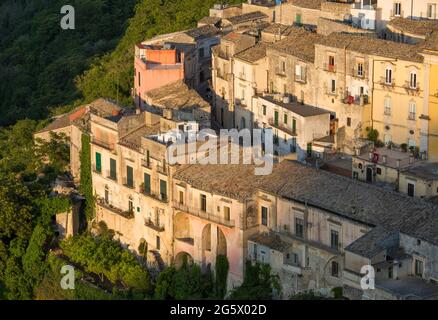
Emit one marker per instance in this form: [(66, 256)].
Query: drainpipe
[(412, 9)]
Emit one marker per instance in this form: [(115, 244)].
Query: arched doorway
[(182, 227), (221, 243), (206, 245), (181, 258)]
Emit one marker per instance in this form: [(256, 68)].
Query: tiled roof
[(236, 37), (416, 27), (371, 243), (210, 20), (309, 4), (300, 43), (427, 171), (270, 240), (342, 196), (277, 28), (373, 46), (202, 32), (297, 108), (256, 15), (133, 139), (253, 54), (176, 95)]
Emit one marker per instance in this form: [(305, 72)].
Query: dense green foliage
[(39, 60), (86, 187), (186, 282), (258, 283), (222, 267), (106, 258), (112, 75)]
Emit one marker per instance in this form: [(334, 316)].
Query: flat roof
[(296, 107)]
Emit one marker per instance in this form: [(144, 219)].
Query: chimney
[(411, 159), (384, 159)]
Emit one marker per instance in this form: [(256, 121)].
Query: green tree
[(86, 187), (222, 267), (257, 283)]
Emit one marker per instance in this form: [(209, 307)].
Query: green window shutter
[(276, 118), (163, 189), (113, 169), (129, 176), (98, 162), (294, 125), (147, 183)]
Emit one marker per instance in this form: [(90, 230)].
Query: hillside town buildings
[(355, 81)]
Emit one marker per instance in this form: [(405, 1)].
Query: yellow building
[(397, 106), (430, 105)]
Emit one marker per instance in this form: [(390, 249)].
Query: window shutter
[(98, 162)]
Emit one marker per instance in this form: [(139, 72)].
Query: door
[(411, 190), (369, 175)]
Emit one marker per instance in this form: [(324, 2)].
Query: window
[(298, 19), (379, 170), (419, 268), (285, 118), (98, 162), (129, 177), (413, 80), (412, 108), (203, 201), (276, 118), (397, 9), (147, 183), (348, 122), (139, 79), (294, 125), (201, 52), (106, 194), (431, 11), (360, 69), (335, 269), (181, 197), (283, 66), (388, 76), (264, 216), (300, 73), (388, 105), (163, 189), (113, 169), (264, 110), (333, 86), (227, 214), (411, 189), (299, 227), (334, 239), (158, 243), (331, 64), (130, 205)]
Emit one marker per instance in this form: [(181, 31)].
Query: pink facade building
[(156, 66)]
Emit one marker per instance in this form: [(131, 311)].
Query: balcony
[(361, 100), (411, 87), (282, 127), (112, 175), (389, 84), (155, 225), (147, 164), (162, 169), (358, 73), (125, 214), (103, 144), (329, 67), (203, 215), (280, 72), (128, 183), (156, 196), (300, 78)]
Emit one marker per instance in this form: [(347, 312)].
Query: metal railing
[(154, 225), (203, 214), (127, 214)]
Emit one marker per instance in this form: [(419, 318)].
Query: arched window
[(413, 80), (388, 105), (388, 76), (412, 109)]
